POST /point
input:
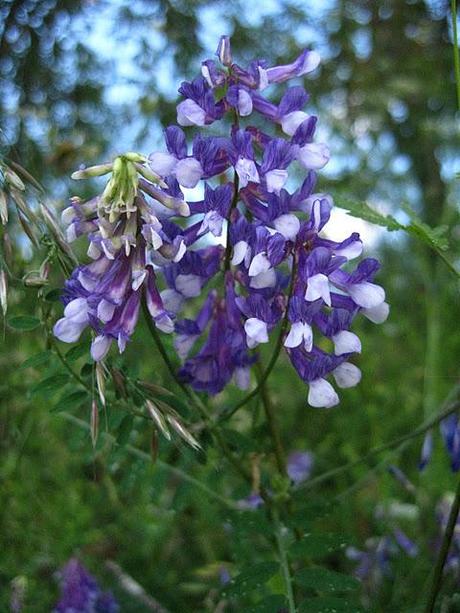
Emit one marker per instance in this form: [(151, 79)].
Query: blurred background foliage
[(83, 80)]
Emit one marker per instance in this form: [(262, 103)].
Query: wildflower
[(81, 592), (299, 466), (278, 264), (450, 434)]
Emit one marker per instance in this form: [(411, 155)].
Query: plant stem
[(456, 52), (67, 365), (156, 337), (450, 408), (443, 552), (273, 426), (228, 246), (199, 405), (138, 453), (284, 563)]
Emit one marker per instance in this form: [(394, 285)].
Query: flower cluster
[(265, 240), (450, 434), (81, 592)]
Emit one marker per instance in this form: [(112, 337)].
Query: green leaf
[(53, 295), (250, 522), (251, 578), (434, 237), (36, 360), (318, 545), (124, 429), (50, 384), (239, 441), (363, 211), (272, 603), (328, 604), (77, 352), (307, 510), (86, 369), (23, 322), (70, 401), (324, 580)]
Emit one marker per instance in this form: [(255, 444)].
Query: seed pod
[(22, 206), (100, 380), (3, 291), (154, 445), (28, 230), (156, 389), (26, 175), (13, 180), (3, 207), (158, 419), (183, 432), (7, 247), (33, 279), (94, 422), (119, 382)]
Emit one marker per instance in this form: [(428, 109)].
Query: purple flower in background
[(299, 466), (274, 253), (81, 593), (374, 564), (450, 434)]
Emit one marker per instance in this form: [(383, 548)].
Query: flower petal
[(321, 394)]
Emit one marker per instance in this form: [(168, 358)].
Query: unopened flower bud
[(224, 52), (92, 171), (150, 175), (134, 157)]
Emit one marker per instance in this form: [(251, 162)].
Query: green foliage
[(164, 512), (23, 323)]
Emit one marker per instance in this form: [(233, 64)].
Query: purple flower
[(450, 433), (299, 466), (277, 266), (81, 592)]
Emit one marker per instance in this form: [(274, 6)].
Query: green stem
[(67, 365), (273, 426), (228, 246), (456, 52), (450, 408), (138, 453), (199, 405), (284, 563), (443, 552), (156, 337)]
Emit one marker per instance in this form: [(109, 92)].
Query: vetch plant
[(272, 263), (219, 239)]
